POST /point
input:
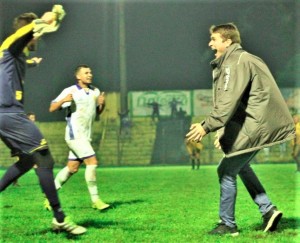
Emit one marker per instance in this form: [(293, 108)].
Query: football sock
[(193, 164), (198, 163), (62, 176), (13, 173), (46, 179), (90, 178)]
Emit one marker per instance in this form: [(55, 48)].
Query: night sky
[(166, 43)]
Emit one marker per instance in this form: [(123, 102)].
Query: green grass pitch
[(151, 204)]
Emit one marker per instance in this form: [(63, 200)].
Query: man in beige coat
[(249, 113)]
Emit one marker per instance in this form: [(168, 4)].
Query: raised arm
[(49, 22)]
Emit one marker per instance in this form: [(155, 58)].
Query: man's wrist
[(204, 126)]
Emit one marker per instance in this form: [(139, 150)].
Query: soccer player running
[(88, 102), (19, 133), (249, 113)]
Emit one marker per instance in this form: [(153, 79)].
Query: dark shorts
[(196, 151), (20, 134)]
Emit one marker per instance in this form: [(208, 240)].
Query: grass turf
[(151, 204)]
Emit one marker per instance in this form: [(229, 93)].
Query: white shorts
[(80, 149)]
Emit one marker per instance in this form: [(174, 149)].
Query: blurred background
[(143, 51)]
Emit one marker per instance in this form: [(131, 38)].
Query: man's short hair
[(30, 113), (79, 67), (23, 19), (227, 31)]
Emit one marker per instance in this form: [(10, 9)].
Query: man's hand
[(68, 98), (36, 60), (196, 132), (49, 17), (54, 106), (101, 99), (101, 103)]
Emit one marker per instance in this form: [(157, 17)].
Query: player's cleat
[(271, 219), (47, 205), (68, 226), (222, 229), (100, 205)]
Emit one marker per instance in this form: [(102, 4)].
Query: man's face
[(31, 117), (218, 44), (84, 76)]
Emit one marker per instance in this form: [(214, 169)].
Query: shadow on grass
[(289, 223), (285, 223), (113, 204), (7, 206), (48, 231), (97, 224), (116, 204)]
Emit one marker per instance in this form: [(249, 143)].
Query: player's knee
[(43, 159), (73, 170), (73, 166), (91, 160), (25, 162)]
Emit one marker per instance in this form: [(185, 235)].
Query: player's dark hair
[(227, 31), (79, 67), (23, 19)]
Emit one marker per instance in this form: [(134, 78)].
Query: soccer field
[(151, 204)]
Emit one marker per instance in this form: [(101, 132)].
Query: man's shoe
[(271, 219), (47, 205), (223, 229), (100, 205), (68, 226)]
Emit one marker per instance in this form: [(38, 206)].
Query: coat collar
[(218, 61)]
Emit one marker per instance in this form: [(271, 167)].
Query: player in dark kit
[(19, 133)]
